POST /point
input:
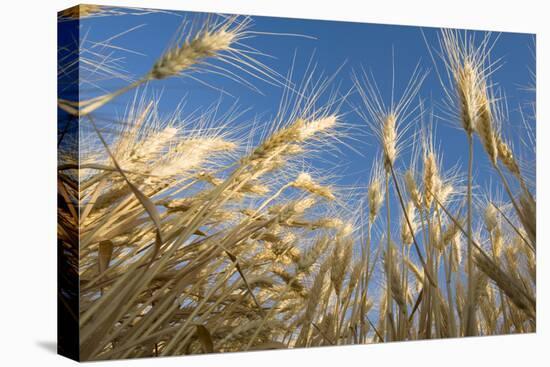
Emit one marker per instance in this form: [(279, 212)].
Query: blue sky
[(353, 45)]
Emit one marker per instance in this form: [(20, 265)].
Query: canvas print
[(230, 183)]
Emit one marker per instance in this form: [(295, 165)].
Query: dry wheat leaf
[(205, 339)]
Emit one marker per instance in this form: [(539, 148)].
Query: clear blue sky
[(357, 44)]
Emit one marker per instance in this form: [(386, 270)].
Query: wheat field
[(188, 234)]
